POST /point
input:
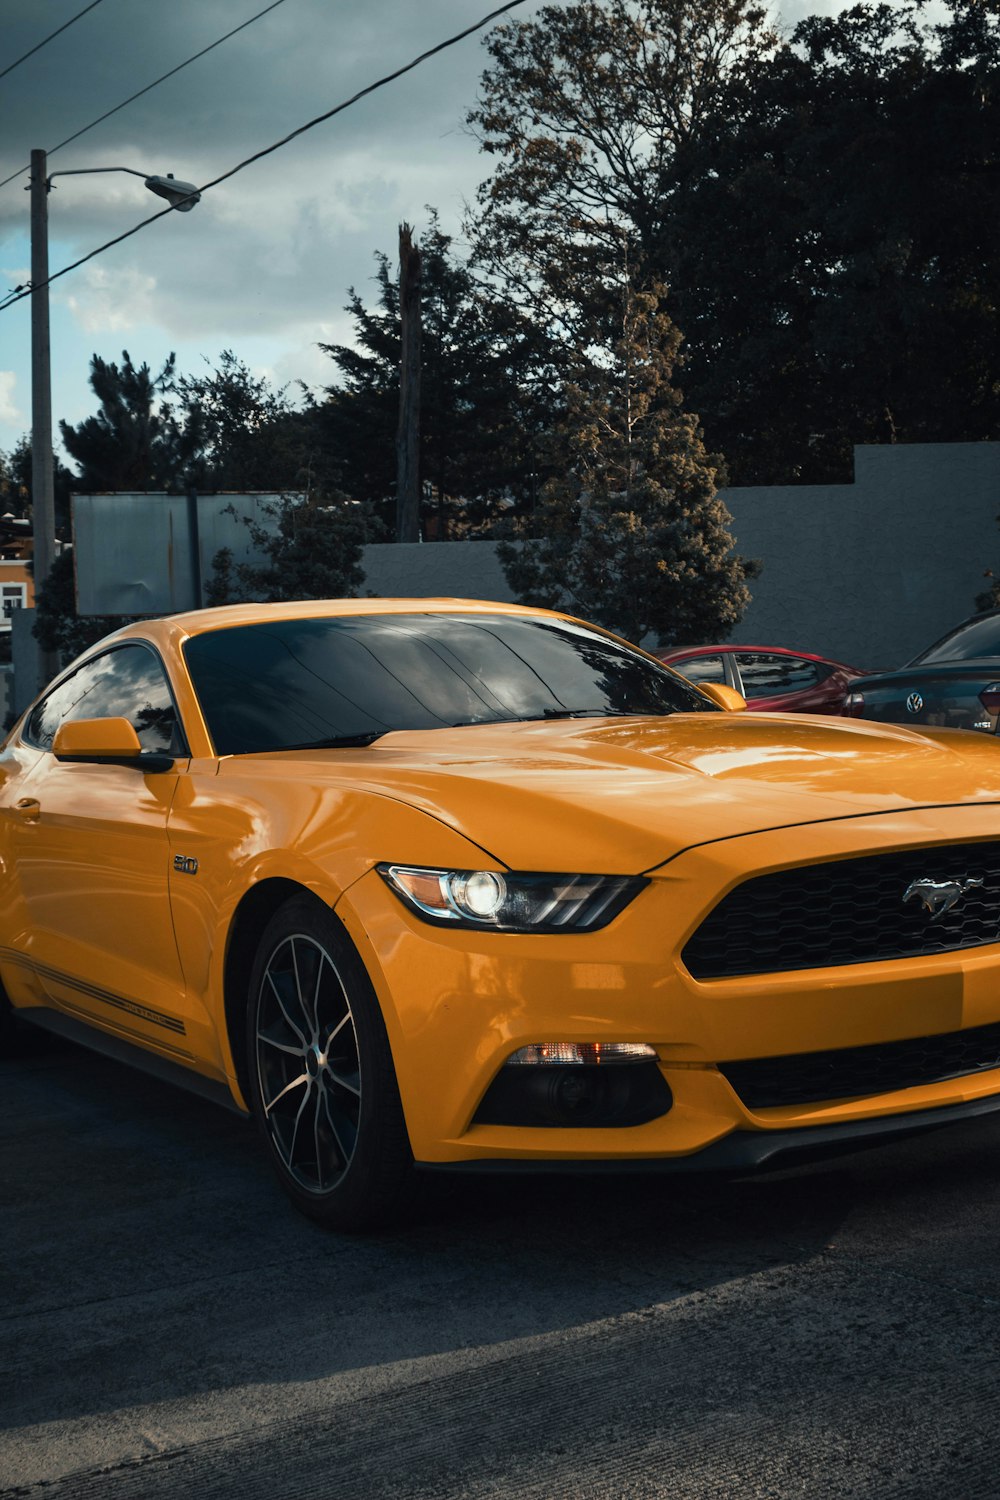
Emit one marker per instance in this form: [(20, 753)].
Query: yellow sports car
[(448, 884)]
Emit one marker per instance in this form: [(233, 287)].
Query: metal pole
[(194, 549), (43, 510), (408, 430)]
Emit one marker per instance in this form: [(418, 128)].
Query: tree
[(14, 495), (824, 210), (240, 433), (57, 626), (482, 397), (831, 242), (632, 531), (312, 550), (134, 442), (15, 484), (586, 108)]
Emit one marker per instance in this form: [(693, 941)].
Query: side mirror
[(722, 696), (93, 739), (108, 741)]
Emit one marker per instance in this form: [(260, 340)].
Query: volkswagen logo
[(937, 897), (914, 703)]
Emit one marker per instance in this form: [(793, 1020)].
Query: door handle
[(28, 809)]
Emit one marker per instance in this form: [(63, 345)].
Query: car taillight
[(854, 705), (990, 697)]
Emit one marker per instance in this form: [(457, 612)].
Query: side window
[(126, 683), (701, 669), (767, 676), (14, 596)]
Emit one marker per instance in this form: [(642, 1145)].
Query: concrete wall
[(428, 570), (867, 573), (870, 572), (27, 661)]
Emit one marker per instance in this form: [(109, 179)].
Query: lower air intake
[(857, 1072)]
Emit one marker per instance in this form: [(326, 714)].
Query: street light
[(180, 195)]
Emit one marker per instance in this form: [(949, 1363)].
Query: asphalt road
[(170, 1328)]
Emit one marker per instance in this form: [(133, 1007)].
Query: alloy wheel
[(308, 1066)]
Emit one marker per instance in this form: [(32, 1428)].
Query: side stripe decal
[(93, 991)]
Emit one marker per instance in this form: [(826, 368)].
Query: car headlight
[(512, 902)]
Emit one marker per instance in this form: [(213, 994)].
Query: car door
[(776, 683), (91, 857), (706, 667)]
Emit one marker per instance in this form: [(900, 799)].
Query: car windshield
[(973, 639), (295, 684)]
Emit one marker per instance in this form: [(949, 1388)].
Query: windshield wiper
[(341, 741), (563, 713), (579, 713)]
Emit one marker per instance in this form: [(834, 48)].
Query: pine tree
[(632, 532), (482, 401), (240, 432), (133, 442)]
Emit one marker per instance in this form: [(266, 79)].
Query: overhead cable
[(38, 47), (155, 84), (258, 155)]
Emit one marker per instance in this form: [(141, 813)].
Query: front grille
[(850, 911), (852, 1072)]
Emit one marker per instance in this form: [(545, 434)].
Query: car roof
[(200, 621), (680, 651)]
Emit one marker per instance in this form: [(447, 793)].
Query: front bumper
[(751, 1150), (457, 1004)]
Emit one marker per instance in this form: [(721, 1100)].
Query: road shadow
[(148, 1255)]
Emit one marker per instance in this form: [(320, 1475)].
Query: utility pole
[(43, 507), (408, 430)]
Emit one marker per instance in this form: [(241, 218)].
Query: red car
[(771, 678)]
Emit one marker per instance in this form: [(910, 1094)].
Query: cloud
[(112, 300), (272, 251), (269, 254), (9, 410)]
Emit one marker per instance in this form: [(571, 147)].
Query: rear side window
[(766, 676), (701, 668), (974, 638), (125, 683)]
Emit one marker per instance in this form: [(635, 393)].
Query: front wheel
[(322, 1083), (7, 1024)]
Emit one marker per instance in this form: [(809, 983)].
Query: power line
[(155, 84), (66, 25), (258, 155)]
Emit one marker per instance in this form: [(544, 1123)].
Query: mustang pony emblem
[(939, 896)]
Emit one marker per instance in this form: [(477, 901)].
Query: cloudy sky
[(262, 265)]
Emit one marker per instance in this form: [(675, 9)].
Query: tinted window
[(767, 676), (976, 638), (126, 683), (296, 683), (702, 669)]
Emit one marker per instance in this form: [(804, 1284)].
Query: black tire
[(322, 1082), (7, 1024)]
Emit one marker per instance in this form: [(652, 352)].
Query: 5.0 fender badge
[(937, 897), (189, 866)]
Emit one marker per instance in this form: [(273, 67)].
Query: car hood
[(624, 795)]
